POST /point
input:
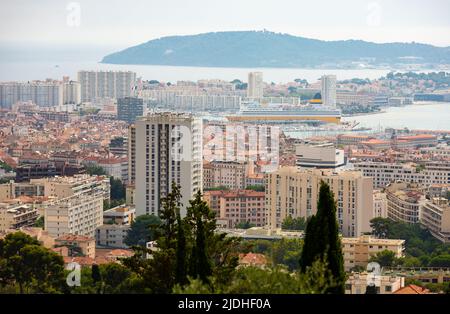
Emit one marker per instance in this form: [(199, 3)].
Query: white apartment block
[(116, 224), (43, 93), (255, 86), (78, 205), (79, 214), (167, 148), (106, 84), (384, 173), (112, 235), (328, 90), (294, 192), (71, 92), (435, 216), (319, 155)]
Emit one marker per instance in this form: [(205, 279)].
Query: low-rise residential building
[(77, 243), (357, 283), (16, 216), (238, 206), (230, 174), (319, 155), (404, 201), (116, 224), (358, 251), (112, 235), (435, 216)]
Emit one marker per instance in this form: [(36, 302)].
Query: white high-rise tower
[(329, 90), (255, 85), (165, 147)]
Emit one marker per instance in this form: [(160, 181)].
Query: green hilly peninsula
[(268, 49)]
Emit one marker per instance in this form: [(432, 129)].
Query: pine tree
[(322, 239)]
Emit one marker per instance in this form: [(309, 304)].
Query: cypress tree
[(96, 276), (322, 239), (202, 222), (180, 275)]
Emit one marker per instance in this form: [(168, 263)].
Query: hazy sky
[(129, 22)]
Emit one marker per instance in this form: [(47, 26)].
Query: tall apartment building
[(404, 201), (358, 251), (71, 92), (435, 216), (106, 84), (238, 206), (129, 108), (384, 173), (43, 93), (78, 207), (165, 147), (319, 155), (328, 91), (294, 192), (255, 86)]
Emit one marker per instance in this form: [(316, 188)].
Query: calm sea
[(39, 70)]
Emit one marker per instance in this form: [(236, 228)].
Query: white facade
[(329, 90), (168, 147), (71, 93), (42, 93), (384, 173), (78, 208), (112, 235), (106, 84), (255, 86), (79, 214), (435, 216), (319, 155)]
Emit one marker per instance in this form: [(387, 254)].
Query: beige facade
[(403, 202), (86, 244), (357, 283), (238, 206), (230, 174), (379, 204), (16, 216), (294, 192), (358, 251), (435, 216)]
